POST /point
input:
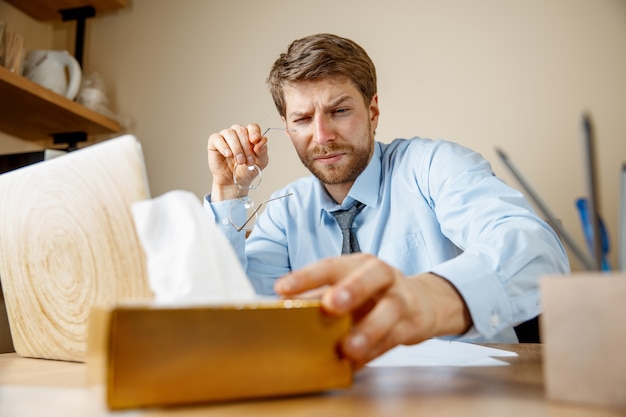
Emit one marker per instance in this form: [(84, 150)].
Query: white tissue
[(189, 259)]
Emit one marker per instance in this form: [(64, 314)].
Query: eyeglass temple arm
[(278, 128), (240, 228)]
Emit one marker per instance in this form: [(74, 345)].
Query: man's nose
[(324, 131)]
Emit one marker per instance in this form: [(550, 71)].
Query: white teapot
[(56, 70)]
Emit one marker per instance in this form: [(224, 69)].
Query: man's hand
[(388, 308), (232, 151)]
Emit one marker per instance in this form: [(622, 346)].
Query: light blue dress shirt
[(431, 206)]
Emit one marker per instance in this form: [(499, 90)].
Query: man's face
[(334, 128)]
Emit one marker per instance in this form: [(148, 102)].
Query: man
[(447, 249)]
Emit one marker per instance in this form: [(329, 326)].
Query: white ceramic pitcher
[(55, 70)]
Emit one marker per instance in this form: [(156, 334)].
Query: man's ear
[(374, 111)]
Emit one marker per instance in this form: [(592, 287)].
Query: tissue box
[(583, 331), (157, 356)]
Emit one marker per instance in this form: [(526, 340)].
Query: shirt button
[(495, 320), (225, 222)]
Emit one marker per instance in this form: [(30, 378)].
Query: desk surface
[(50, 388)]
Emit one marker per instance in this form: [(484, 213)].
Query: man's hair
[(322, 56)]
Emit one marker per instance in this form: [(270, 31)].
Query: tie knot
[(346, 217)]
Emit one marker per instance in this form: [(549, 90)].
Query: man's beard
[(332, 175)]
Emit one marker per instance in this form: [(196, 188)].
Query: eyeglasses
[(245, 200)]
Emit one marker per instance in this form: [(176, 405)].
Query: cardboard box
[(583, 331), (158, 356)]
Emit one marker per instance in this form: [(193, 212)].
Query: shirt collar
[(366, 188)]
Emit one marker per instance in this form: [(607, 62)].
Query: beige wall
[(485, 73)]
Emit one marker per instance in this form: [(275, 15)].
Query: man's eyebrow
[(336, 102), (341, 100), (297, 113)]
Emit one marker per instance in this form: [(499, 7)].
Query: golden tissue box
[(159, 356), (583, 332)]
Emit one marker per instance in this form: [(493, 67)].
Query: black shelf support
[(71, 139), (80, 14)]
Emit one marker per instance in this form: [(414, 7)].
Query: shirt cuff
[(220, 212), (482, 292)]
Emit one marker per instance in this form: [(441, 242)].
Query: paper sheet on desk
[(435, 352), (20, 401), (189, 259)]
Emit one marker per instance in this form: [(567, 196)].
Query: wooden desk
[(48, 388)]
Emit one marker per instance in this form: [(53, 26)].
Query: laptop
[(68, 242)]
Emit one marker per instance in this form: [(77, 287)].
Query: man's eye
[(341, 111)]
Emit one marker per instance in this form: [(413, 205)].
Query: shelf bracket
[(71, 139), (80, 14)]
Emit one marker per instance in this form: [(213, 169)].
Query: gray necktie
[(345, 218)]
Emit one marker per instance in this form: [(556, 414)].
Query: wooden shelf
[(46, 10), (30, 111)]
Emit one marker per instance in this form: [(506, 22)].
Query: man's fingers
[(373, 334), (324, 272), (217, 143), (366, 282), (254, 133), (239, 143), (353, 281), (314, 294)]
